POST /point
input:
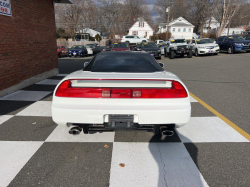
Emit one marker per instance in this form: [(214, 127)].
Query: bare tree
[(228, 10)]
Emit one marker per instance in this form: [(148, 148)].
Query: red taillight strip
[(65, 90)]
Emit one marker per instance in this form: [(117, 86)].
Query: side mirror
[(161, 64)]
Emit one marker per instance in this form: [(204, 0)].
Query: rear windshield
[(126, 63), (149, 45), (120, 45)]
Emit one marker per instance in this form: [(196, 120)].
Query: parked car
[(204, 46), (97, 49), (152, 49), (131, 39), (121, 90), (120, 46), (105, 48), (92, 45), (62, 51), (138, 46), (162, 48), (90, 50), (159, 41), (78, 50), (233, 43), (177, 47)]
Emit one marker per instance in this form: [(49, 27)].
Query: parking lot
[(211, 150)]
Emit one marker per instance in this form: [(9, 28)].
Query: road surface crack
[(164, 166)]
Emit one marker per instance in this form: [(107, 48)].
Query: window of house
[(179, 29), (135, 33), (173, 29), (184, 29), (189, 30), (141, 24)]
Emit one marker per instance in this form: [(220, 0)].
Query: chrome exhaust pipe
[(75, 130), (167, 133)]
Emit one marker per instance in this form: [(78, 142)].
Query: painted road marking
[(23, 95), (14, 155), (208, 129), (230, 123), (153, 164)]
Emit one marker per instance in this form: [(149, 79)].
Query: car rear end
[(126, 103)]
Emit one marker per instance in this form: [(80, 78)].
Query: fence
[(69, 44)]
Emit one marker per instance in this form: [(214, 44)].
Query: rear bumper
[(145, 111)]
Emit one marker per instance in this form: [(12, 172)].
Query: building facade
[(27, 44), (141, 28), (179, 28)]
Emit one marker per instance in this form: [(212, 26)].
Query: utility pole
[(168, 12)]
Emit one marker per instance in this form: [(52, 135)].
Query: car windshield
[(120, 45), (124, 62), (77, 47), (149, 45), (236, 38), (204, 41), (178, 41)]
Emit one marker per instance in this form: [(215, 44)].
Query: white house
[(84, 34), (141, 28), (232, 31), (179, 28), (214, 25)]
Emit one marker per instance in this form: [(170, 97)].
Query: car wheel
[(166, 54), (196, 53), (215, 53), (127, 42), (230, 50), (160, 57), (182, 55), (190, 54), (171, 55)]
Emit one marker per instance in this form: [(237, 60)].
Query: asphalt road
[(223, 82)]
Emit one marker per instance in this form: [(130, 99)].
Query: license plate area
[(121, 121)]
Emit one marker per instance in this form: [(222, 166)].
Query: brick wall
[(27, 41)]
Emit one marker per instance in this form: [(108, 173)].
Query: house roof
[(180, 22), (140, 20)]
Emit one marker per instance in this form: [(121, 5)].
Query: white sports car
[(121, 90)]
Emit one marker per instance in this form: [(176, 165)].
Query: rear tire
[(190, 54), (156, 129), (215, 53), (127, 42), (171, 54)]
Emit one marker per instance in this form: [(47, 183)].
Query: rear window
[(123, 62)]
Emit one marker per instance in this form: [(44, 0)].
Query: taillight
[(176, 91)]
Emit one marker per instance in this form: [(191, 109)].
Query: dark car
[(120, 46), (78, 50), (247, 37), (233, 43), (138, 46), (105, 48), (97, 49), (152, 49)]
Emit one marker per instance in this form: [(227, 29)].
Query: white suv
[(131, 39)]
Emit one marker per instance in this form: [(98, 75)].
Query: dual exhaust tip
[(78, 130)]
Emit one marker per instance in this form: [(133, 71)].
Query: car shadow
[(177, 162)]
